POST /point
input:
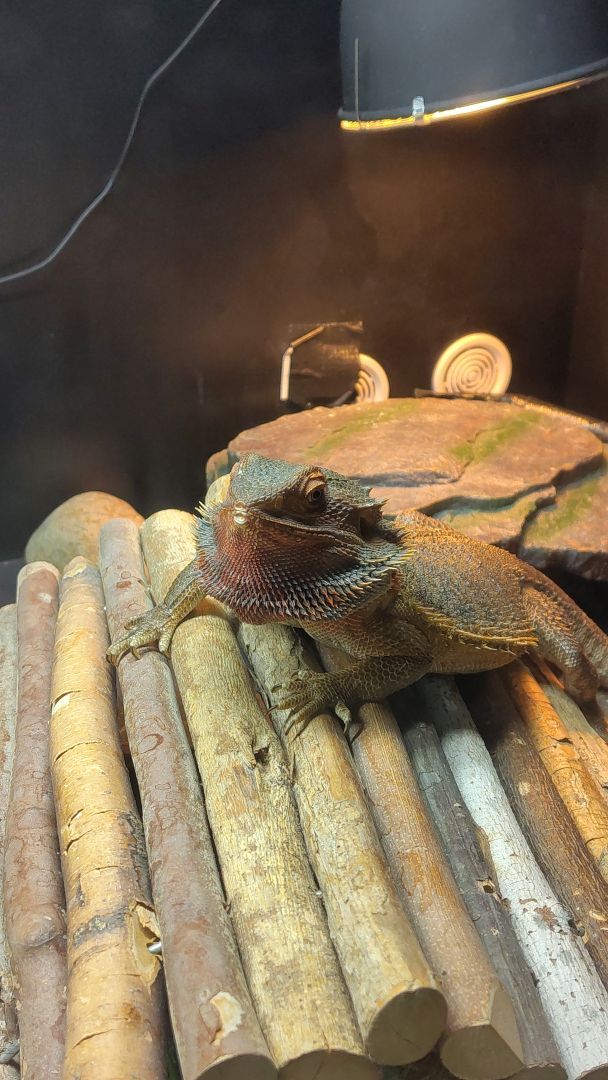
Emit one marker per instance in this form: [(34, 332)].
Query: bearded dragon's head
[(294, 542)]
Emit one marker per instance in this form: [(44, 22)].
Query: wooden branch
[(577, 788), (115, 1000), (590, 747), (572, 994), (481, 1038), (473, 875), (400, 1012), (33, 888), (542, 815), (221, 1034), (9, 1036), (280, 925)]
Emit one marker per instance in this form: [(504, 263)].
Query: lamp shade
[(407, 62)]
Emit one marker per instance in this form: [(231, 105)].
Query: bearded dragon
[(308, 547)]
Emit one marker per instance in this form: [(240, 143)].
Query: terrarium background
[(242, 209)]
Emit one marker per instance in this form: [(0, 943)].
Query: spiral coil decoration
[(372, 381), (475, 364)]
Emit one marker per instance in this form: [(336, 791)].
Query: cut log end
[(408, 1026), (490, 1051), (600, 1073), (328, 1065), (479, 1053), (33, 568), (540, 1071), (252, 1066)]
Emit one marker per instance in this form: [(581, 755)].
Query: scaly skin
[(307, 547)]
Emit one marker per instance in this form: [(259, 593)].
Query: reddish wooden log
[(589, 745), (481, 1038), (214, 1023), (474, 877), (542, 815), (578, 789), (33, 886), (9, 1036)]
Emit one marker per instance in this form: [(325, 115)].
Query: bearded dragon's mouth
[(243, 515)]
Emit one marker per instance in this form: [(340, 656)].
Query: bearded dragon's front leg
[(159, 624), (369, 680)]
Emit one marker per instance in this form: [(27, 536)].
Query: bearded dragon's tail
[(595, 646), (590, 639)]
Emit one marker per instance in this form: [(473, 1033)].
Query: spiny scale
[(260, 590)]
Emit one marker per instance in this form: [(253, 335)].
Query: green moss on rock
[(495, 438), (367, 416), (574, 501)]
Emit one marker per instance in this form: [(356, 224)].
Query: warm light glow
[(462, 110)]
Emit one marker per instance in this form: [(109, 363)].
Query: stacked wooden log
[(430, 898)]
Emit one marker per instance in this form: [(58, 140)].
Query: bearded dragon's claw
[(116, 652), (299, 721), (146, 629), (304, 699), (344, 714)]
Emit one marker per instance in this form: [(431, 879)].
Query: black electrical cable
[(109, 184)]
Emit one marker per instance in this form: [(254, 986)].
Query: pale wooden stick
[(115, 1000), (590, 746), (573, 997), (542, 815), (481, 1041), (215, 1027), (400, 1012), (577, 788), (33, 889), (474, 877), (8, 714), (280, 925)]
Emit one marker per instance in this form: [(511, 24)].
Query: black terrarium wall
[(243, 211)]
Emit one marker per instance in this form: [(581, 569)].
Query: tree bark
[(578, 790), (401, 1013), (280, 925), (542, 815), (33, 888), (9, 1036), (115, 1000), (573, 996), (473, 875), (214, 1023), (481, 1038)]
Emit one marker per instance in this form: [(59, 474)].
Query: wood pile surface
[(189, 890)]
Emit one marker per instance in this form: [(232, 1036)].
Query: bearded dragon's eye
[(314, 494)]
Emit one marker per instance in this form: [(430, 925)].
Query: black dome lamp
[(414, 62)]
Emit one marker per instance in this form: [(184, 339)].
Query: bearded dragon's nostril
[(239, 514)]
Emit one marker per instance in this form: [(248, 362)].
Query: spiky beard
[(272, 570)]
